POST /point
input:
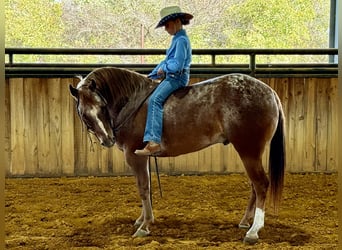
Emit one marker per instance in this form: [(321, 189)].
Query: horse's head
[(93, 112)]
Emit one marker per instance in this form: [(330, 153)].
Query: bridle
[(116, 128)]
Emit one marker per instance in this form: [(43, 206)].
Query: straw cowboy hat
[(173, 12)]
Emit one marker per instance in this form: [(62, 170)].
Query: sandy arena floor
[(195, 212)]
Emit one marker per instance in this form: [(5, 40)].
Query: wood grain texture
[(45, 137)]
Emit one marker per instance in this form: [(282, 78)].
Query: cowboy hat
[(171, 13)]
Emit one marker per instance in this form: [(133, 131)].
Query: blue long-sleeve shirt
[(178, 56)]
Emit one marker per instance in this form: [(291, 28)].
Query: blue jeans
[(154, 121)]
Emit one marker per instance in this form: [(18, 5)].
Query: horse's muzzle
[(109, 142)]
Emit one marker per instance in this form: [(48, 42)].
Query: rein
[(158, 176), (118, 127)]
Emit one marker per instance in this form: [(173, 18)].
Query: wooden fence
[(44, 136)]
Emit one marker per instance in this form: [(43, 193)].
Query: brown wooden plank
[(119, 165), (80, 139), (92, 154), (217, 165), (231, 160), (322, 124), (205, 160), (309, 105), (166, 165), (299, 132), (17, 164), (42, 113), (30, 117), (192, 161), (55, 126), (292, 164), (225, 160), (43, 128), (67, 125), (332, 137), (7, 124), (180, 164), (103, 160)]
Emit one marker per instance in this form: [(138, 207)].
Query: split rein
[(118, 127)]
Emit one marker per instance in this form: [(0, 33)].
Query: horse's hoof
[(244, 226), (250, 241), (137, 223), (141, 233)]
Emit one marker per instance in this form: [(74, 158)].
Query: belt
[(184, 71)]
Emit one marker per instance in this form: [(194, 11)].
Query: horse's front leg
[(144, 220), (146, 217), (140, 169)]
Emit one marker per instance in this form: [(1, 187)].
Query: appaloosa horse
[(234, 108)]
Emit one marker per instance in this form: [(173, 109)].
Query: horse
[(233, 108)]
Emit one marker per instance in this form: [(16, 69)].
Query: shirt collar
[(181, 32)]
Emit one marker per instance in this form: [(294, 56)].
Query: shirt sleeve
[(175, 64), (153, 75)]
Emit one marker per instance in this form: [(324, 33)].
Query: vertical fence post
[(252, 63), (333, 29), (10, 58), (213, 62)]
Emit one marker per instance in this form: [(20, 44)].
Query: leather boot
[(151, 149)]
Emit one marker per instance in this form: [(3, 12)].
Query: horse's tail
[(277, 158)]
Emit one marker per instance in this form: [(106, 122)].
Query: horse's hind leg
[(260, 183), (250, 210)]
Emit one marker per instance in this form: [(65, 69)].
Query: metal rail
[(19, 69)]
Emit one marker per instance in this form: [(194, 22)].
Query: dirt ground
[(195, 212)]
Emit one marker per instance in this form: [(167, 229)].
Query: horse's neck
[(129, 106)]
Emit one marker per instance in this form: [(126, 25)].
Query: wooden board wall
[(44, 136)]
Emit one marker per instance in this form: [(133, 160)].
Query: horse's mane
[(118, 82)]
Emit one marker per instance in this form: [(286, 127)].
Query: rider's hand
[(160, 72)]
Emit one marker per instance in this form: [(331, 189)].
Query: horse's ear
[(73, 92), (92, 85)]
